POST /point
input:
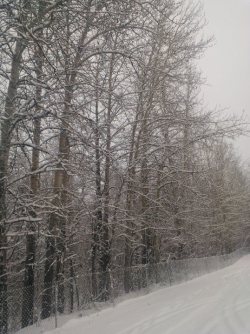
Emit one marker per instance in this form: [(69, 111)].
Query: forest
[(109, 158)]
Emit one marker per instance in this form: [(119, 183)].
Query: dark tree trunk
[(104, 264), (60, 249), (3, 280), (49, 270), (28, 288), (133, 154), (55, 251), (29, 273), (4, 159), (95, 248), (96, 227), (105, 247), (72, 278)]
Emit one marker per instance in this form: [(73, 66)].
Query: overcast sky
[(226, 65)]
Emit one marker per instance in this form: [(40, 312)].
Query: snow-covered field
[(217, 303)]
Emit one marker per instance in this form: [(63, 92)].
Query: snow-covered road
[(218, 303)]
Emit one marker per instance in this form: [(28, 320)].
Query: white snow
[(217, 303)]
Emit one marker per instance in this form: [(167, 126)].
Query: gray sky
[(226, 65)]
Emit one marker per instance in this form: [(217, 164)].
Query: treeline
[(107, 157)]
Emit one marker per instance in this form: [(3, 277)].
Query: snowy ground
[(217, 303)]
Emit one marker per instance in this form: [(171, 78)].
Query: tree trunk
[(133, 154), (4, 159), (98, 212), (49, 269), (55, 244), (29, 271), (105, 256)]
